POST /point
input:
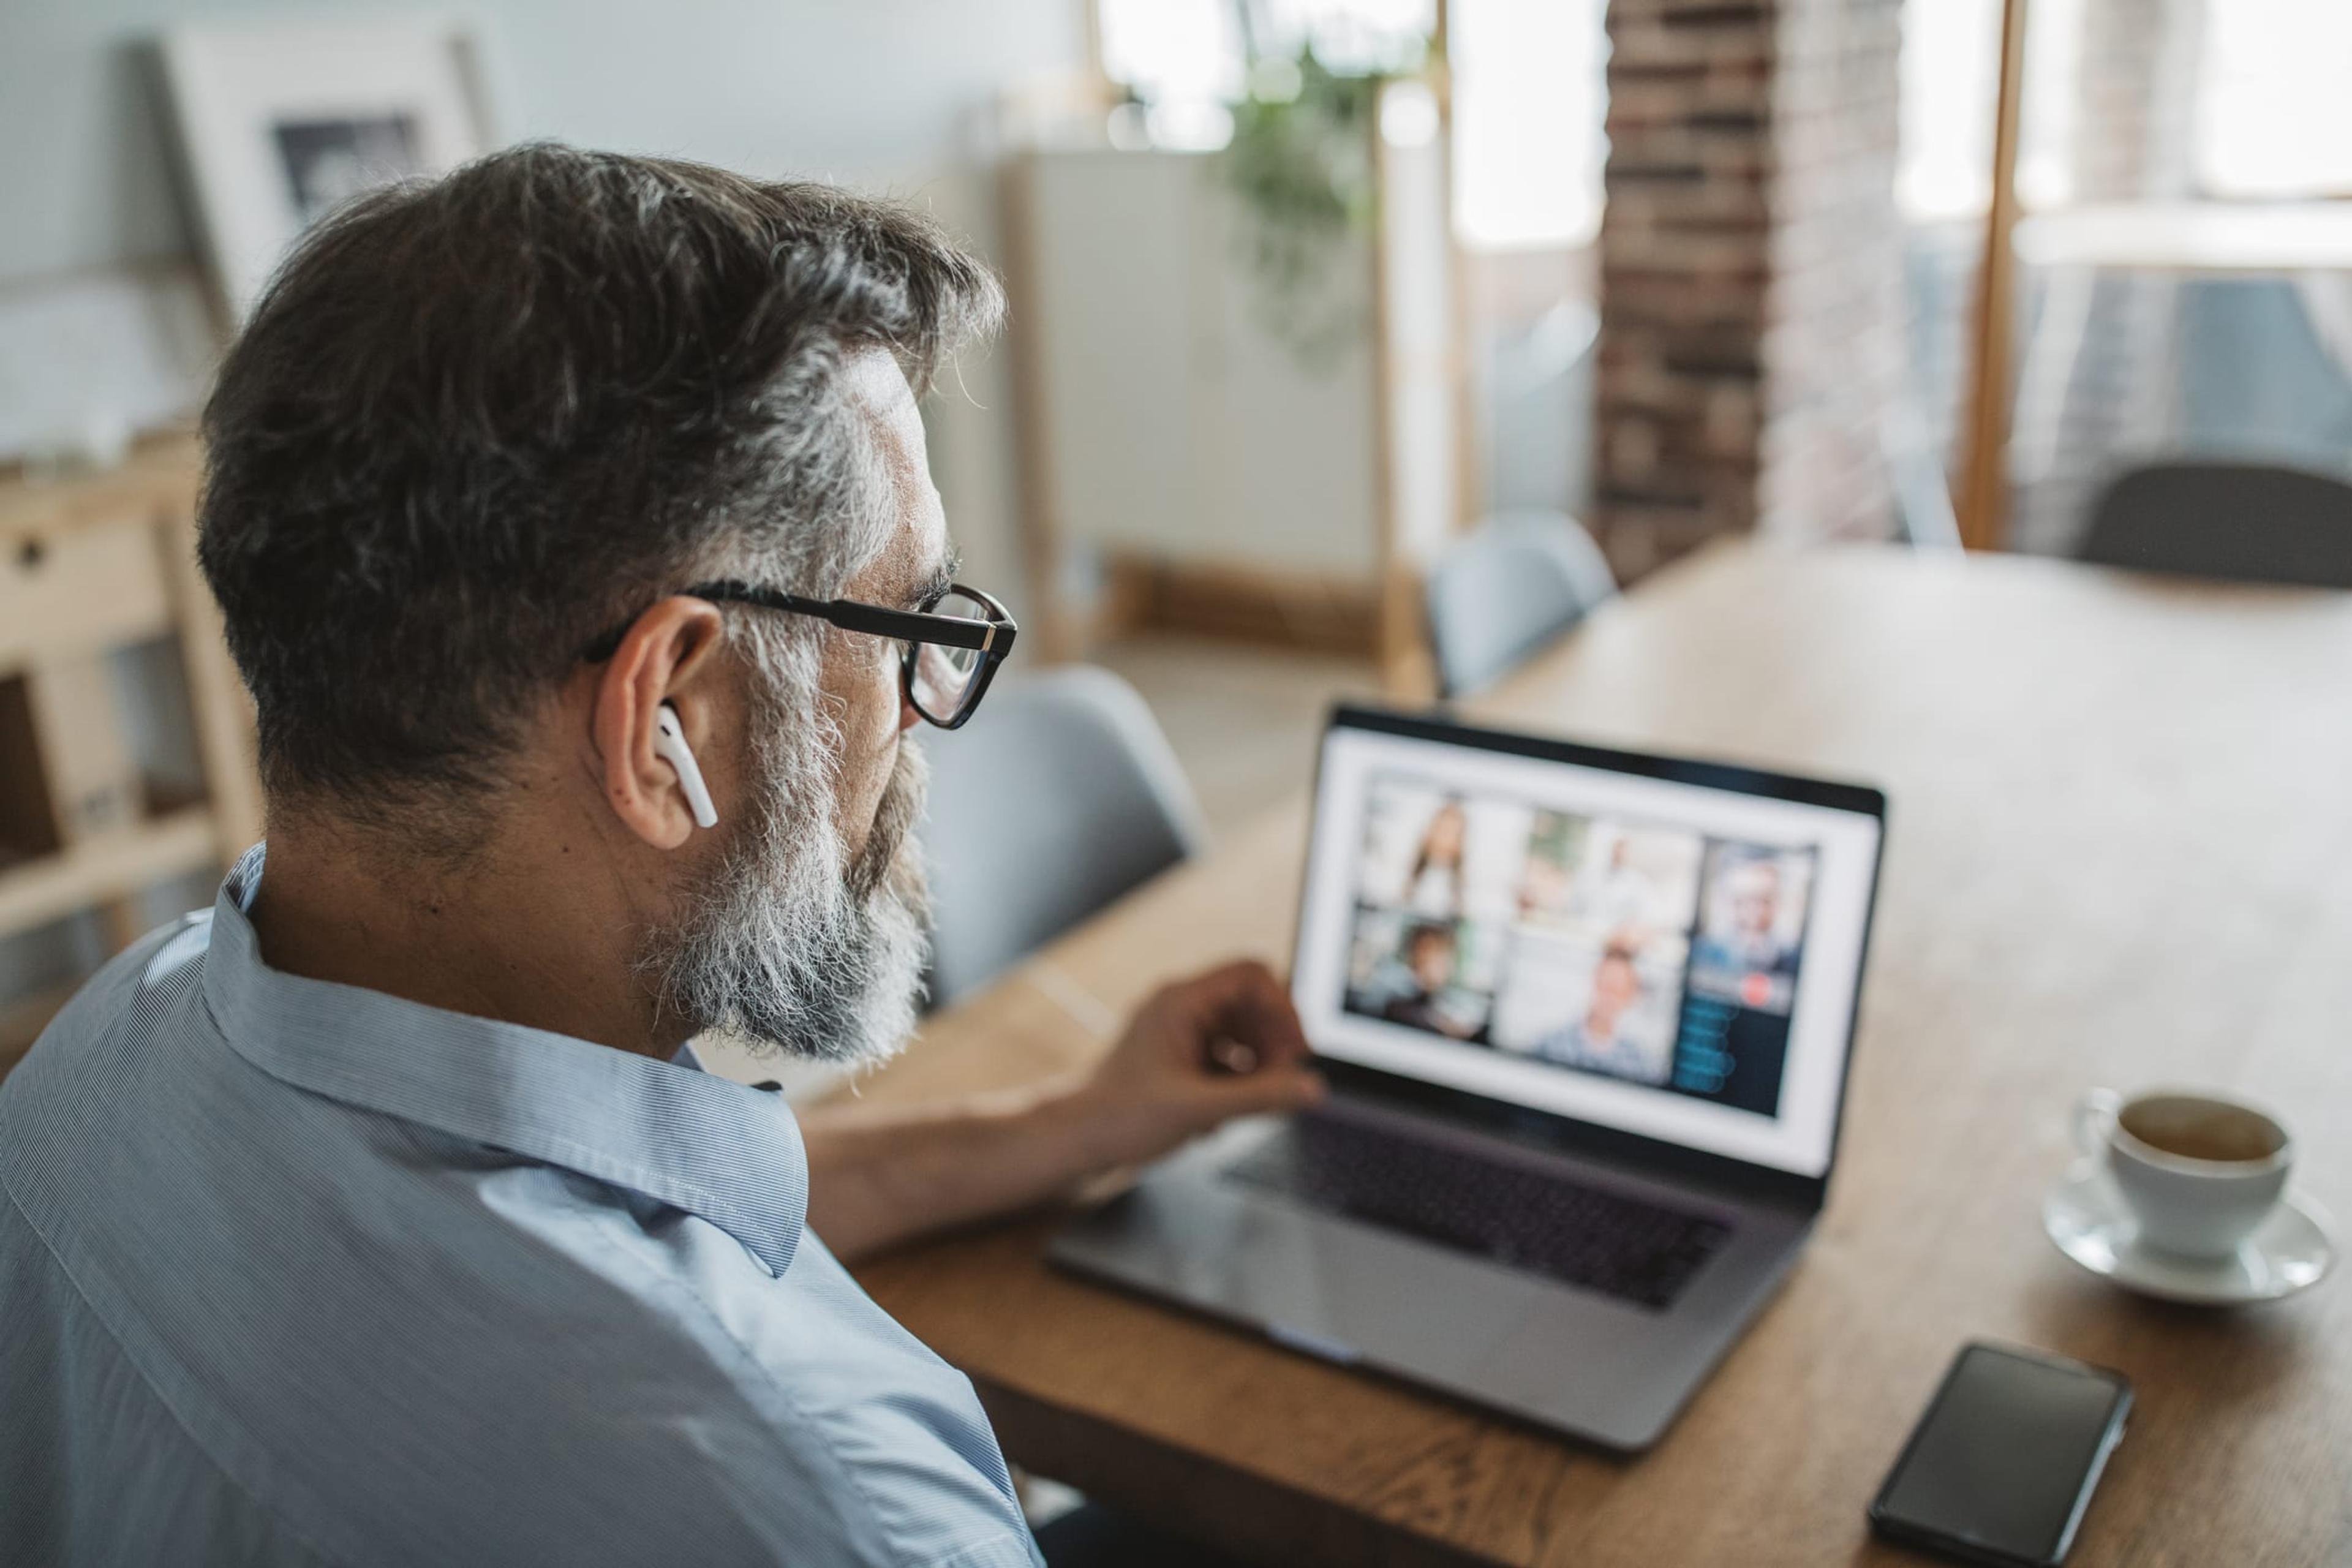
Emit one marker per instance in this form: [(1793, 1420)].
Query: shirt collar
[(685, 1138)]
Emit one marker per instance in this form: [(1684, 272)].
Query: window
[(1529, 78), (1531, 93), (2274, 120), (1950, 92), (2274, 116), (1171, 52)]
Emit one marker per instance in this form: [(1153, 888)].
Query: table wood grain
[(2119, 852)]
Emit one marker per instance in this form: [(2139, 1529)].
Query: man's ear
[(668, 656)]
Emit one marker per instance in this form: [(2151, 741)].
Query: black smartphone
[(2001, 1467)]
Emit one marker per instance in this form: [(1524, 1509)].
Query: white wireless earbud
[(669, 746)]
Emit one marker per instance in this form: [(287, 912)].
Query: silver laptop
[(1586, 1015)]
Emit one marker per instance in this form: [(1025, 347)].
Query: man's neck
[(526, 938)]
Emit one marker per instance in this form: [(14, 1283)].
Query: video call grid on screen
[(1675, 961)]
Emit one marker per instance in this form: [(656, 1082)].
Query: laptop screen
[(1671, 950)]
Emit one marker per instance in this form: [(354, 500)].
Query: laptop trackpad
[(1325, 1286)]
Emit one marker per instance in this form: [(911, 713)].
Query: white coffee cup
[(2200, 1173)]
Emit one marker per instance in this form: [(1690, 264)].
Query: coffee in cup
[(2199, 1172)]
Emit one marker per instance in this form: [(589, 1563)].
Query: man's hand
[(1199, 1052), (1226, 1044)]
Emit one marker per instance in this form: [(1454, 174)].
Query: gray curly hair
[(477, 422), (474, 421)]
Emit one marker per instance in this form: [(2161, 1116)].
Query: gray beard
[(789, 943)]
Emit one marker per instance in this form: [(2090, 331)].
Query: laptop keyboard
[(1522, 1218)]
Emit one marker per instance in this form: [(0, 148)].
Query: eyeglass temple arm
[(993, 636)]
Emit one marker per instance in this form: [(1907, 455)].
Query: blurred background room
[(1358, 346)]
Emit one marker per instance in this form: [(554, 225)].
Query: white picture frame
[(279, 122)]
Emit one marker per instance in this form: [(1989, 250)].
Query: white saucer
[(2290, 1251)]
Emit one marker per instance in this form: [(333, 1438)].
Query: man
[(1741, 952), (367, 1218), (1597, 1042), (1426, 999)]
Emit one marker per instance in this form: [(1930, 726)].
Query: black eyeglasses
[(950, 650)]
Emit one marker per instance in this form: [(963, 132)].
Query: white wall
[(867, 90)]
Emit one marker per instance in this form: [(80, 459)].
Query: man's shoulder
[(411, 1345), (620, 1454), (757, 1418), (133, 989), (451, 1354), (875, 1433), (65, 1104)]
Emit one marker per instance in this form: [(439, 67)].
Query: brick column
[(1750, 273)]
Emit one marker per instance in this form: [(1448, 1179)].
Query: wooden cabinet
[(89, 568)]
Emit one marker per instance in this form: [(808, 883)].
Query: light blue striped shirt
[(295, 1273)]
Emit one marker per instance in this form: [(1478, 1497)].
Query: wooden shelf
[(89, 565), (112, 866), (160, 476)]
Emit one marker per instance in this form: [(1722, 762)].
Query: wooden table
[(2119, 852)]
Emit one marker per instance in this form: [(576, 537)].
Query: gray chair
[(1923, 495), (2249, 522), (1060, 795), (1500, 593)]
